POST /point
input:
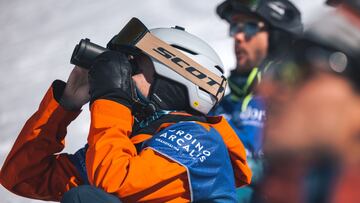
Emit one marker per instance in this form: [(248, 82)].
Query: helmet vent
[(179, 28), (184, 49), (220, 69)]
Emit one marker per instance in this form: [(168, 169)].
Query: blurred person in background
[(262, 32), (312, 135)]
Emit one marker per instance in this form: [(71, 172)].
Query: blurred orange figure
[(312, 136)]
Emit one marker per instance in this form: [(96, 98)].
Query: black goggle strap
[(183, 65), (136, 34)]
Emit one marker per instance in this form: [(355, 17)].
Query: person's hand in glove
[(76, 92), (110, 78)]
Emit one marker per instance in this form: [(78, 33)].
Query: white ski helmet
[(199, 51)]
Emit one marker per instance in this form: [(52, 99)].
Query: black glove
[(110, 78)]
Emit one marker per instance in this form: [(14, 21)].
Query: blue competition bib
[(204, 155)]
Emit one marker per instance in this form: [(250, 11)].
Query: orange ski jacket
[(35, 168)]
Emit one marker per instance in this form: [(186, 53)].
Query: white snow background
[(38, 37)]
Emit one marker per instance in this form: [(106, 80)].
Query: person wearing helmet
[(166, 150), (263, 31), (320, 113)]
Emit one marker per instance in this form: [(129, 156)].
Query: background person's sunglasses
[(250, 28)]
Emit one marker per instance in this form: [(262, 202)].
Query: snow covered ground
[(37, 39)]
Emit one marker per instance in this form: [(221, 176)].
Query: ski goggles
[(249, 28), (136, 37)]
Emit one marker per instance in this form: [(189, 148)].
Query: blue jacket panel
[(247, 122)]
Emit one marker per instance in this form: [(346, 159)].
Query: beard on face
[(244, 61)]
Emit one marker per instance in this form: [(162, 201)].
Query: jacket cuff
[(58, 87), (50, 107)]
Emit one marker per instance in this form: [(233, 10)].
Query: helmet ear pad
[(167, 94)]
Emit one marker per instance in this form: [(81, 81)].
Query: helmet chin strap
[(165, 95), (143, 107)]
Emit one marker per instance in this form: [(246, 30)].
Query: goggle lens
[(249, 28)]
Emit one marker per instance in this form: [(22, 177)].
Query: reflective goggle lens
[(249, 28)]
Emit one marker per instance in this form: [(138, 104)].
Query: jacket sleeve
[(236, 150), (113, 164), (32, 168)]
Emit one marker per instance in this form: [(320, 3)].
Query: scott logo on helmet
[(183, 64)]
